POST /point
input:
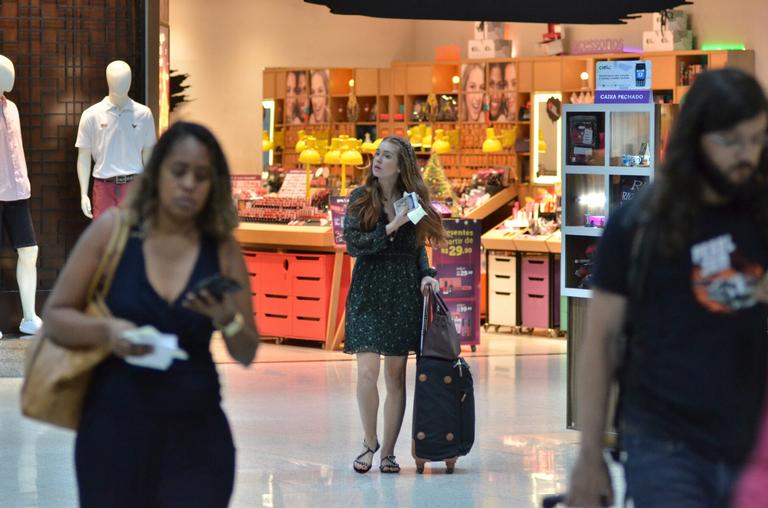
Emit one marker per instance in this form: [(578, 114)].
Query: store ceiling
[(594, 12)]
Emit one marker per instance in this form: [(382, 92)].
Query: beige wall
[(225, 51), (735, 21)]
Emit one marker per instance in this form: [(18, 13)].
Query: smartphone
[(217, 285), (640, 74)]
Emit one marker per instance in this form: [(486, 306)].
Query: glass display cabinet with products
[(610, 152)]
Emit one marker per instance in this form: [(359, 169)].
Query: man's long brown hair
[(717, 101), (430, 228)]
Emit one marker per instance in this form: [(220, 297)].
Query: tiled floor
[(297, 430)]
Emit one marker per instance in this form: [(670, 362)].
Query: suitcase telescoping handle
[(424, 311)]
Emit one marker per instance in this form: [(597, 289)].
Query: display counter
[(299, 280), (523, 279), (281, 235)]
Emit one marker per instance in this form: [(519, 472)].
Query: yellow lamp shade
[(352, 157), (491, 143), (333, 156), (301, 144), (310, 155), (266, 143), (368, 146)]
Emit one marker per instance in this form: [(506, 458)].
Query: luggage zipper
[(461, 374)]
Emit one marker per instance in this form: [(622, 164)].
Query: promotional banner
[(623, 82), (338, 206), (458, 270)]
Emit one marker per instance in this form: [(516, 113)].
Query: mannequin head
[(7, 75), (119, 81)]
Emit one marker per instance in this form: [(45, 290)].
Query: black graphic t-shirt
[(697, 357)]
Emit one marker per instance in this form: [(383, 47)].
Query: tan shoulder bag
[(56, 379)]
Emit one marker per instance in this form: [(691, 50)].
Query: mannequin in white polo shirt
[(118, 135), (15, 217)]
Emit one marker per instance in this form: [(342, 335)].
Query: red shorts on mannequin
[(107, 194)]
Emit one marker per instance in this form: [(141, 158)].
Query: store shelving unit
[(609, 153)]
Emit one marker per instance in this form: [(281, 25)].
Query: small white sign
[(624, 75)]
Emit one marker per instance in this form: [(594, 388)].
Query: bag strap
[(105, 271), (438, 302)]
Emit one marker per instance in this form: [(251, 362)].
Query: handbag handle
[(438, 304), (105, 271)]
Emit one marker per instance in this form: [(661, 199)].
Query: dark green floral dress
[(384, 302)]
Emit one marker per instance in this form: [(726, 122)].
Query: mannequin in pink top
[(15, 217)]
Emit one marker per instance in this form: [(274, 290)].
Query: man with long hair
[(694, 314)]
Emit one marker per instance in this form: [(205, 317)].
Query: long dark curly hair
[(430, 228), (219, 217), (718, 100)]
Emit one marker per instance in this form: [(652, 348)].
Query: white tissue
[(165, 348)]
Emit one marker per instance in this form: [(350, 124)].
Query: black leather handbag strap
[(438, 304)]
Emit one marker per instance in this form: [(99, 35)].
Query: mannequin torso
[(14, 200), (117, 133), (14, 182)]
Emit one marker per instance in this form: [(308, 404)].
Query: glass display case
[(610, 153)]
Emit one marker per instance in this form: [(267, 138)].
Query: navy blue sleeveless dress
[(156, 438)]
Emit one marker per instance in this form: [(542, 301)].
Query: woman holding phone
[(159, 437), (384, 302)]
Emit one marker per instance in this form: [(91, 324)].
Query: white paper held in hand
[(165, 348), (410, 202)]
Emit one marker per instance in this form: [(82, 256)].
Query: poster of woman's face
[(319, 97), (296, 100), (502, 92), (510, 92), (473, 88)]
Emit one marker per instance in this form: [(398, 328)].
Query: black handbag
[(439, 338)]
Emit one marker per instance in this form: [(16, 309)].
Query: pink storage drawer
[(535, 266), (535, 310)]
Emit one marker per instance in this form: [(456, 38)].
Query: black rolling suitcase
[(443, 410)]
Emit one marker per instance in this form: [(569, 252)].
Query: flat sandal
[(364, 468), (389, 465)]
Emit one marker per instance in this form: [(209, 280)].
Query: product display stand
[(311, 293), (609, 153)]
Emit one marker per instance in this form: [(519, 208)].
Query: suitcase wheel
[(420, 466), (450, 465)]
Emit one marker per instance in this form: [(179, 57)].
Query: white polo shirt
[(116, 137)]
